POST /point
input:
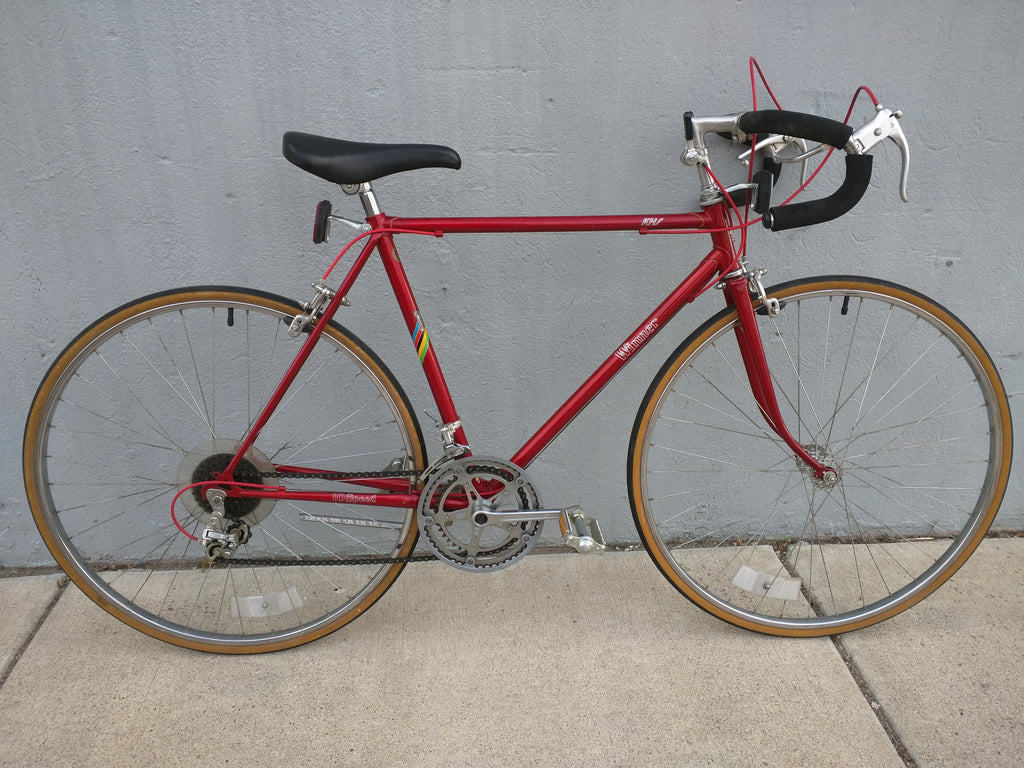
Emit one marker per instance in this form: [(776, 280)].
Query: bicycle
[(229, 470)]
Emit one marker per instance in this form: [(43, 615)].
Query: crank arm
[(490, 517), (582, 532), (579, 531)]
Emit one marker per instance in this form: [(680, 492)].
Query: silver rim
[(128, 415), (883, 389)]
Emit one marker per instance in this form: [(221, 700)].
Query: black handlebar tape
[(858, 175), (820, 129)]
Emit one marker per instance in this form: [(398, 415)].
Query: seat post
[(368, 199)]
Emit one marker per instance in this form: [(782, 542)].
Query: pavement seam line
[(872, 700), (62, 585)]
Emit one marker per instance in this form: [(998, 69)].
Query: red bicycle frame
[(719, 264)]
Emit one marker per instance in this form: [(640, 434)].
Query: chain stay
[(331, 560)]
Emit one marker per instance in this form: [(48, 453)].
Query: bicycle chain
[(260, 562), (344, 475), (254, 561)]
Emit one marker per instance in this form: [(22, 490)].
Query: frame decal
[(639, 339), (420, 338)]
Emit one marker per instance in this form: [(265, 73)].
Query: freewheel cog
[(204, 461), (453, 513)]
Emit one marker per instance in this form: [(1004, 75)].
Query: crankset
[(477, 513)]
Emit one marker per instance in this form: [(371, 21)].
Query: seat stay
[(303, 354)]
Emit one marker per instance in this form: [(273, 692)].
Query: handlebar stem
[(696, 153)]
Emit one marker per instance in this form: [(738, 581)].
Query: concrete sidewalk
[(561, 660)]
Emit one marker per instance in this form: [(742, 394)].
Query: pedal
[(581, 532)]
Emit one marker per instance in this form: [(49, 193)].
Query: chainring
[(455, 500)]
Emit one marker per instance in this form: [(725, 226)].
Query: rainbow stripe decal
[(421, 339)]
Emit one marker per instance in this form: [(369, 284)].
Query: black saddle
[(352, 162)]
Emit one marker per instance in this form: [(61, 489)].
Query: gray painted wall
[(140, 150)]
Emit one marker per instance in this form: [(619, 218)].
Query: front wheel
[(154, 398), (873, 379)]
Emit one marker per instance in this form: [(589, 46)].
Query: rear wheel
[(873, 379), (155, 397)]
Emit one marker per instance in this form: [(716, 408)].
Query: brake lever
[(884, 125), (775, 144), (802, 158), (775, 151)]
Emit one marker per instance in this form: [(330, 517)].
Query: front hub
[(830, 477)]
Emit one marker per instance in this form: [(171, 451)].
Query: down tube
[(687, 291)]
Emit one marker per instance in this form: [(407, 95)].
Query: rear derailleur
[(222, 536)]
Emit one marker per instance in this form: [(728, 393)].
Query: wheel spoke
[(153, 399), (872, 379)]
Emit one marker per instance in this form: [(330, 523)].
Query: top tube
[(642, 223), (718, 261)]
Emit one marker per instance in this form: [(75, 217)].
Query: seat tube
[(748, 336), (402, 289)]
